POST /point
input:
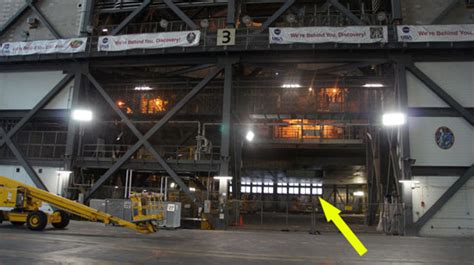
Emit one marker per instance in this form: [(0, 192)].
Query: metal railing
[(39, 145), (168, 152)]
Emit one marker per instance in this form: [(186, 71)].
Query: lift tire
[(64, 220), (37, 221), (17, 223)]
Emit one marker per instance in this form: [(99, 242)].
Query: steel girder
[(181, 14), (346, 12), (30, 4), (143, 139), (131, 17), (275, 16), (7, 136), (444, 198), (435, 88)]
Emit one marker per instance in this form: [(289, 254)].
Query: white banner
[(356, 34), (432, 33), (43, 47), (149, 41)]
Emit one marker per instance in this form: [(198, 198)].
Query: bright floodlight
[(223, 177), (250, 135), (82, 115), (373, 85), (358, 193), (394, 119), (291, 86), (409, 181), (142, 88)]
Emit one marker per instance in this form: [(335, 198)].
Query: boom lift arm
[(26, 201)]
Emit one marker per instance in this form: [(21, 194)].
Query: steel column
[(444, 198), (86, 23), (346, 12), (402, 89), (43, 102), (22, 160), (43, 20), (231, 13), (181, 14), (14, 18), (275, 16), (143, 140), (441, 93), (72, 125), (396, 11), (131, 17), (226, 121)]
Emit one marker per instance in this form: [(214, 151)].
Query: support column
[(225, 144), (406, 191), (72, 125)]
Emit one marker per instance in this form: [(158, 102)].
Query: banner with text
[(432, 33), (356, 34), (43, 47), (149, 41)]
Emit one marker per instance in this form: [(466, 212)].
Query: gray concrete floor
[(93, 243)]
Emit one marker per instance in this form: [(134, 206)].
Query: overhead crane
[(26, 201)]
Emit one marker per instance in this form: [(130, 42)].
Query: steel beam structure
[(226, 120), (6, 138), (404, 141), (444, 198), (22, 160), (189, 69), (86, 23), (30, 4), (435, 88), (131, 17), (43, 102), (396, 11), (275, 16), (43, 20), (231, 13), (14, 18), (72, 125), (346, 12), (143, 139), (181, 14)]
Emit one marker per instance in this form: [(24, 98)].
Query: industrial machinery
[(26, 201)]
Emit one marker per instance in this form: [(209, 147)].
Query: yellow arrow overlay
[(332, 214)]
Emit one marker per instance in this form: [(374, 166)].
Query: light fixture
[(82, 115), (291, 86), (247, 20), (250, 135), (359, 193), (173, 185), (373, 85), (291, 18), (164, 23), (142, 88), (228, 178), (105, 30), (409, 181), (63, 172), (192, 189), (116, 187), (204, 23), (310, 89), (394, 119)]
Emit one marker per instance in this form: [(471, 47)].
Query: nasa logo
[(406, 29), (277, 31), (105, 40), (444, 138)]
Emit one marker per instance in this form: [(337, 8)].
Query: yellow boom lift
[(26, 202)]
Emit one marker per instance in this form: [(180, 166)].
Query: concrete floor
[(93, 243)]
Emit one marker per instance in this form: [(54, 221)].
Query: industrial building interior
[(230, 125)]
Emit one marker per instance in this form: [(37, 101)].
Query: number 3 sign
[(225, 37)]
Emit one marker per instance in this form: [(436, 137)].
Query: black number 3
[(226, 36)]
